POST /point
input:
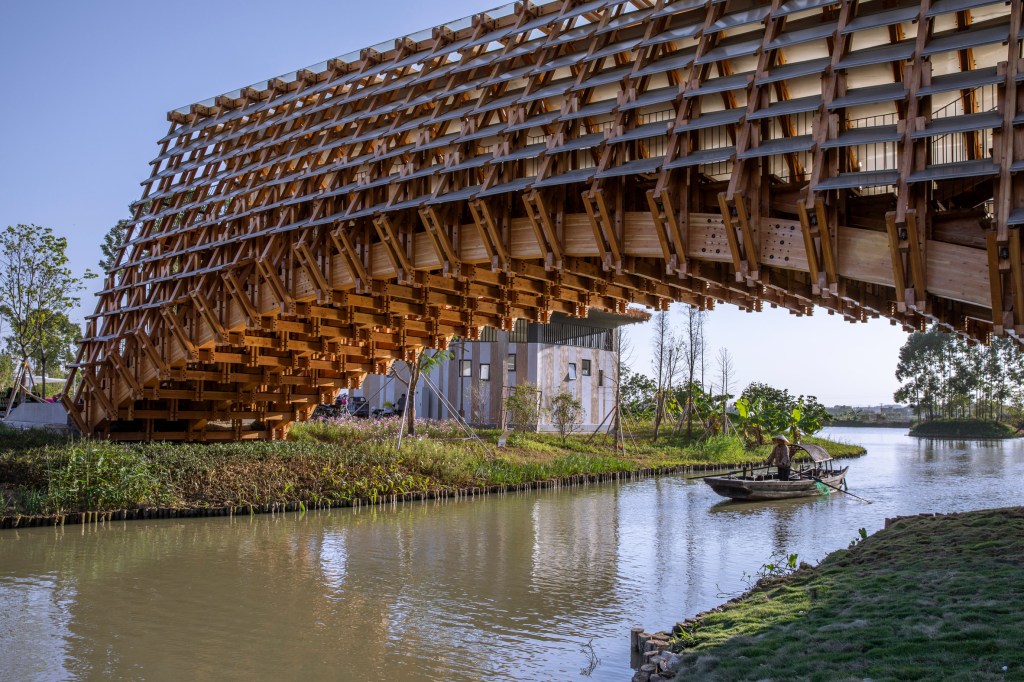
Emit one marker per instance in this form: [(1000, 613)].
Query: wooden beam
[(896, 256), (813, 268), (1017, 277), (750, 248), (238, 295), (995, 281), (348, 252), (917, 268), (828, 254), (730, 234), (393, 247)]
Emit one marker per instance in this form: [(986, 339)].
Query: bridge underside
[(300, 233)]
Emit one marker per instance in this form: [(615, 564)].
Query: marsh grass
[(929, 598), (322, 462)]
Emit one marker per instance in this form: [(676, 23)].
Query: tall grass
[(104, 476), (322, 462)]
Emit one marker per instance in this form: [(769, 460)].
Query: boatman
[(780, 456)]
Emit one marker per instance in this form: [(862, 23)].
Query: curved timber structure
[(297, 234)]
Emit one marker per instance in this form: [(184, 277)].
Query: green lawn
[(931, 598)]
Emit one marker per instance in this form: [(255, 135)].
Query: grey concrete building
[(569, 354)]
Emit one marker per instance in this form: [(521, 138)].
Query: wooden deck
[(297, 234)]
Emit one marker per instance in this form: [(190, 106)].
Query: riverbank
[(45, 479), (928, 597), (967, 429), (856, 424)]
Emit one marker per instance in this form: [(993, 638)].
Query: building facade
[(569, 354)]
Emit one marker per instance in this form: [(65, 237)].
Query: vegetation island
[(959, 389)]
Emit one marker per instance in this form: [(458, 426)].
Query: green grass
[(963, 428), (929, 598), (321, 463)]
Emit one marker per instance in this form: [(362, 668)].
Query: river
[(532, 586)]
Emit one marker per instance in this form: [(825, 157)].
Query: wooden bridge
[(299, 233)]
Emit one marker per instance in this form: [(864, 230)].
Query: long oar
[(841, 490)]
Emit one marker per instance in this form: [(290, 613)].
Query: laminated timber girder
[(295, 235)]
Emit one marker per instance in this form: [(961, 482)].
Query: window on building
[(466, 368), (600, 377), (571, 375), (511, 362), (485, 372), (585, 367)]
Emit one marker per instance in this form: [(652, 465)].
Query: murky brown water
[(507, 588)]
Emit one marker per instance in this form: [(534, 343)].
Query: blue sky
[(88, 86)]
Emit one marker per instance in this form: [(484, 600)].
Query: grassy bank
[(963, 428), (322, 463), (928, 598)]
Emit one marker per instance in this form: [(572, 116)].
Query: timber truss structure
[(863, 156)]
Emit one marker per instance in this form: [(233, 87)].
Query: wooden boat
[(758, 483)]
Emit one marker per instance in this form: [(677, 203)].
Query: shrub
[(522, 407), (566, 413)]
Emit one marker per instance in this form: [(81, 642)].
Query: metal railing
[(655, 116), (800, 124), (780, 166), (959, 147), (716, 138), (889, 119), (872, 156), (981, 98)]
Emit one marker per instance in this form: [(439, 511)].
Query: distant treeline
[(945, 377)]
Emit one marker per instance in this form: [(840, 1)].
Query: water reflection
[(507, 587)]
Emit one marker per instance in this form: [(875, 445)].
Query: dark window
[(511, 362), (600, 377), (571, 375), (466, 369), (485, 372), (585, 368)]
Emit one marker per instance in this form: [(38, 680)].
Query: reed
[(330, 462)]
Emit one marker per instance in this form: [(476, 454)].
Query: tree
[(765, 410), (693, 347), (425, 362), (37, 289), (942, 375), (521, 406), (637, 393), (112, 242), (668, 353), (566, 413), (725, 371), (6, 370), (56, 350), (623, 353)]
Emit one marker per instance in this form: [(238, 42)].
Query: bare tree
[(623, 354), (725, 372), (694, 358), (668, 352), (424, 363)]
